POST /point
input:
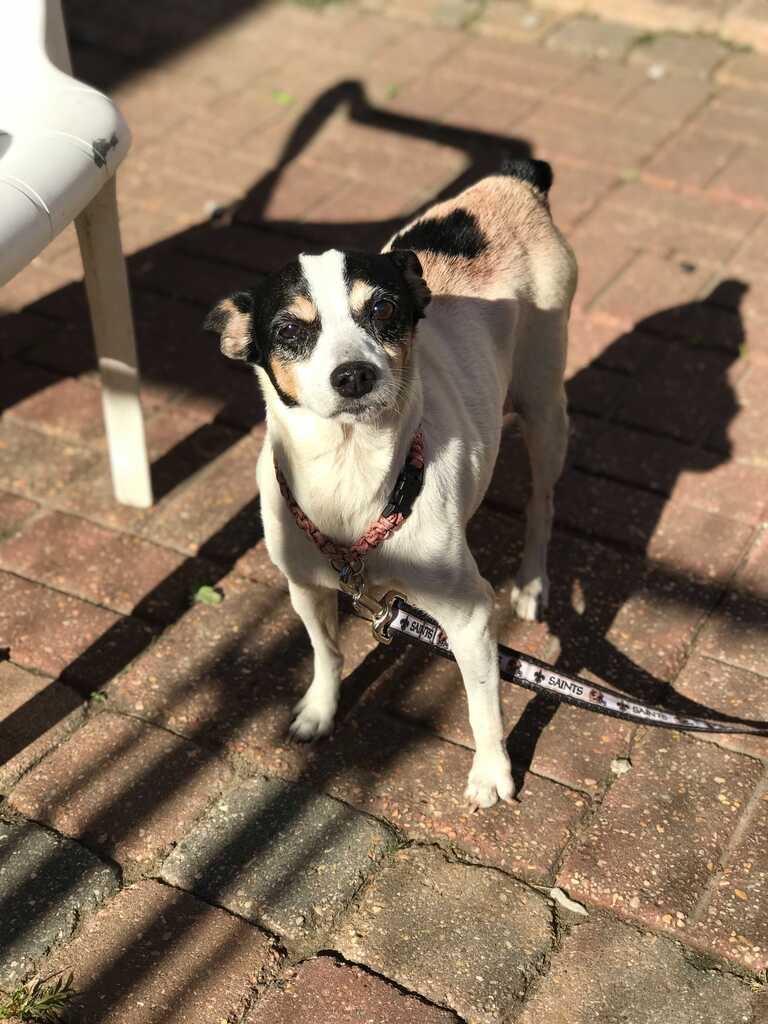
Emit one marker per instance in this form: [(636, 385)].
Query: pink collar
[(398, 508)]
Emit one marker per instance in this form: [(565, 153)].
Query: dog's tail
[(537, 173)]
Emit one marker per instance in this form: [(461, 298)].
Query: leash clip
[(379, 613)]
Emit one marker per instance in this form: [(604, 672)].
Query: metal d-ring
[(385, 615), (351, 576)]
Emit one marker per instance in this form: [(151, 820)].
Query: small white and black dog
[(355, 352)]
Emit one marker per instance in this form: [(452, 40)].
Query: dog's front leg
[(318, 610), (469, 622)]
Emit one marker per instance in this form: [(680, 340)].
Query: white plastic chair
[(61, 143)]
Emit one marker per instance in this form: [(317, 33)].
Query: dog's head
[(332, 332)]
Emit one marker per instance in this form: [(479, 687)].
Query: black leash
[(392, 615)]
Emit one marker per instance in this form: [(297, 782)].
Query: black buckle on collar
[(406, 490)]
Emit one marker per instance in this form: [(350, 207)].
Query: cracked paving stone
[(278, 855), (461, 936), (606, 972)]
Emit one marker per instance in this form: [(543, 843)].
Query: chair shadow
[(133, 37)]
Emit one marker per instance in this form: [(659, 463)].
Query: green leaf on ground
[(284, 98), (208, 595)]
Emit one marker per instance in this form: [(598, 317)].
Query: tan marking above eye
[(359, 294), (303, 308)]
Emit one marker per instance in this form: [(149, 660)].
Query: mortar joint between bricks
[(455, 855), (277, 944), (742, 825), (718, 605), (591, 811), (73, 721)]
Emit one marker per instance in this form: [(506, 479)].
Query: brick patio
[(157, 832)]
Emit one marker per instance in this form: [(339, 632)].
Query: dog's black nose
[(353, 380)]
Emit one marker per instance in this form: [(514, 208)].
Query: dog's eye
[(382, 310), (289, 331)]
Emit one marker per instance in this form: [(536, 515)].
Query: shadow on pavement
[(195, 367)]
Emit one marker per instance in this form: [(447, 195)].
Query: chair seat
[(60, 141)]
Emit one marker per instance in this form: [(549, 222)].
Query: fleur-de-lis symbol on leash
[(539, 676)]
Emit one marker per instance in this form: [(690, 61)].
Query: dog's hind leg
[(545, 430), (318, 610)]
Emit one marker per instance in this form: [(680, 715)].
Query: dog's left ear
[(231, 320), (409, 265)]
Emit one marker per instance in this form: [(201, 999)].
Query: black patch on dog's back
[(457, 234), (536, 172)]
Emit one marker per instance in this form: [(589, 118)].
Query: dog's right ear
[(231, 320), (410, 267)]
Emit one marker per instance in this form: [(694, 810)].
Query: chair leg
[(106, 283)]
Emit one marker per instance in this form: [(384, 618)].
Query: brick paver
[(651, 851), (123, 787), (729, 691), (432, 696), (732, 923), (13, 513), (154, 955), (55, 633), (34, 465), (110, 569), (605, 971), (47, 885), (147, 728), (737, 632), (306, 856), (218, 662), (35, 713), (424, 923), (231, 673), (324, 989), (67, 408), (181, 442), (417, 782), (585, 36), (686, 54)]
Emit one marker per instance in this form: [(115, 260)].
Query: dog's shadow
[(672, 390)]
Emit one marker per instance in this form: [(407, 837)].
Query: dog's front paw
[(490, 779), (529, 601), (312, 719)]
